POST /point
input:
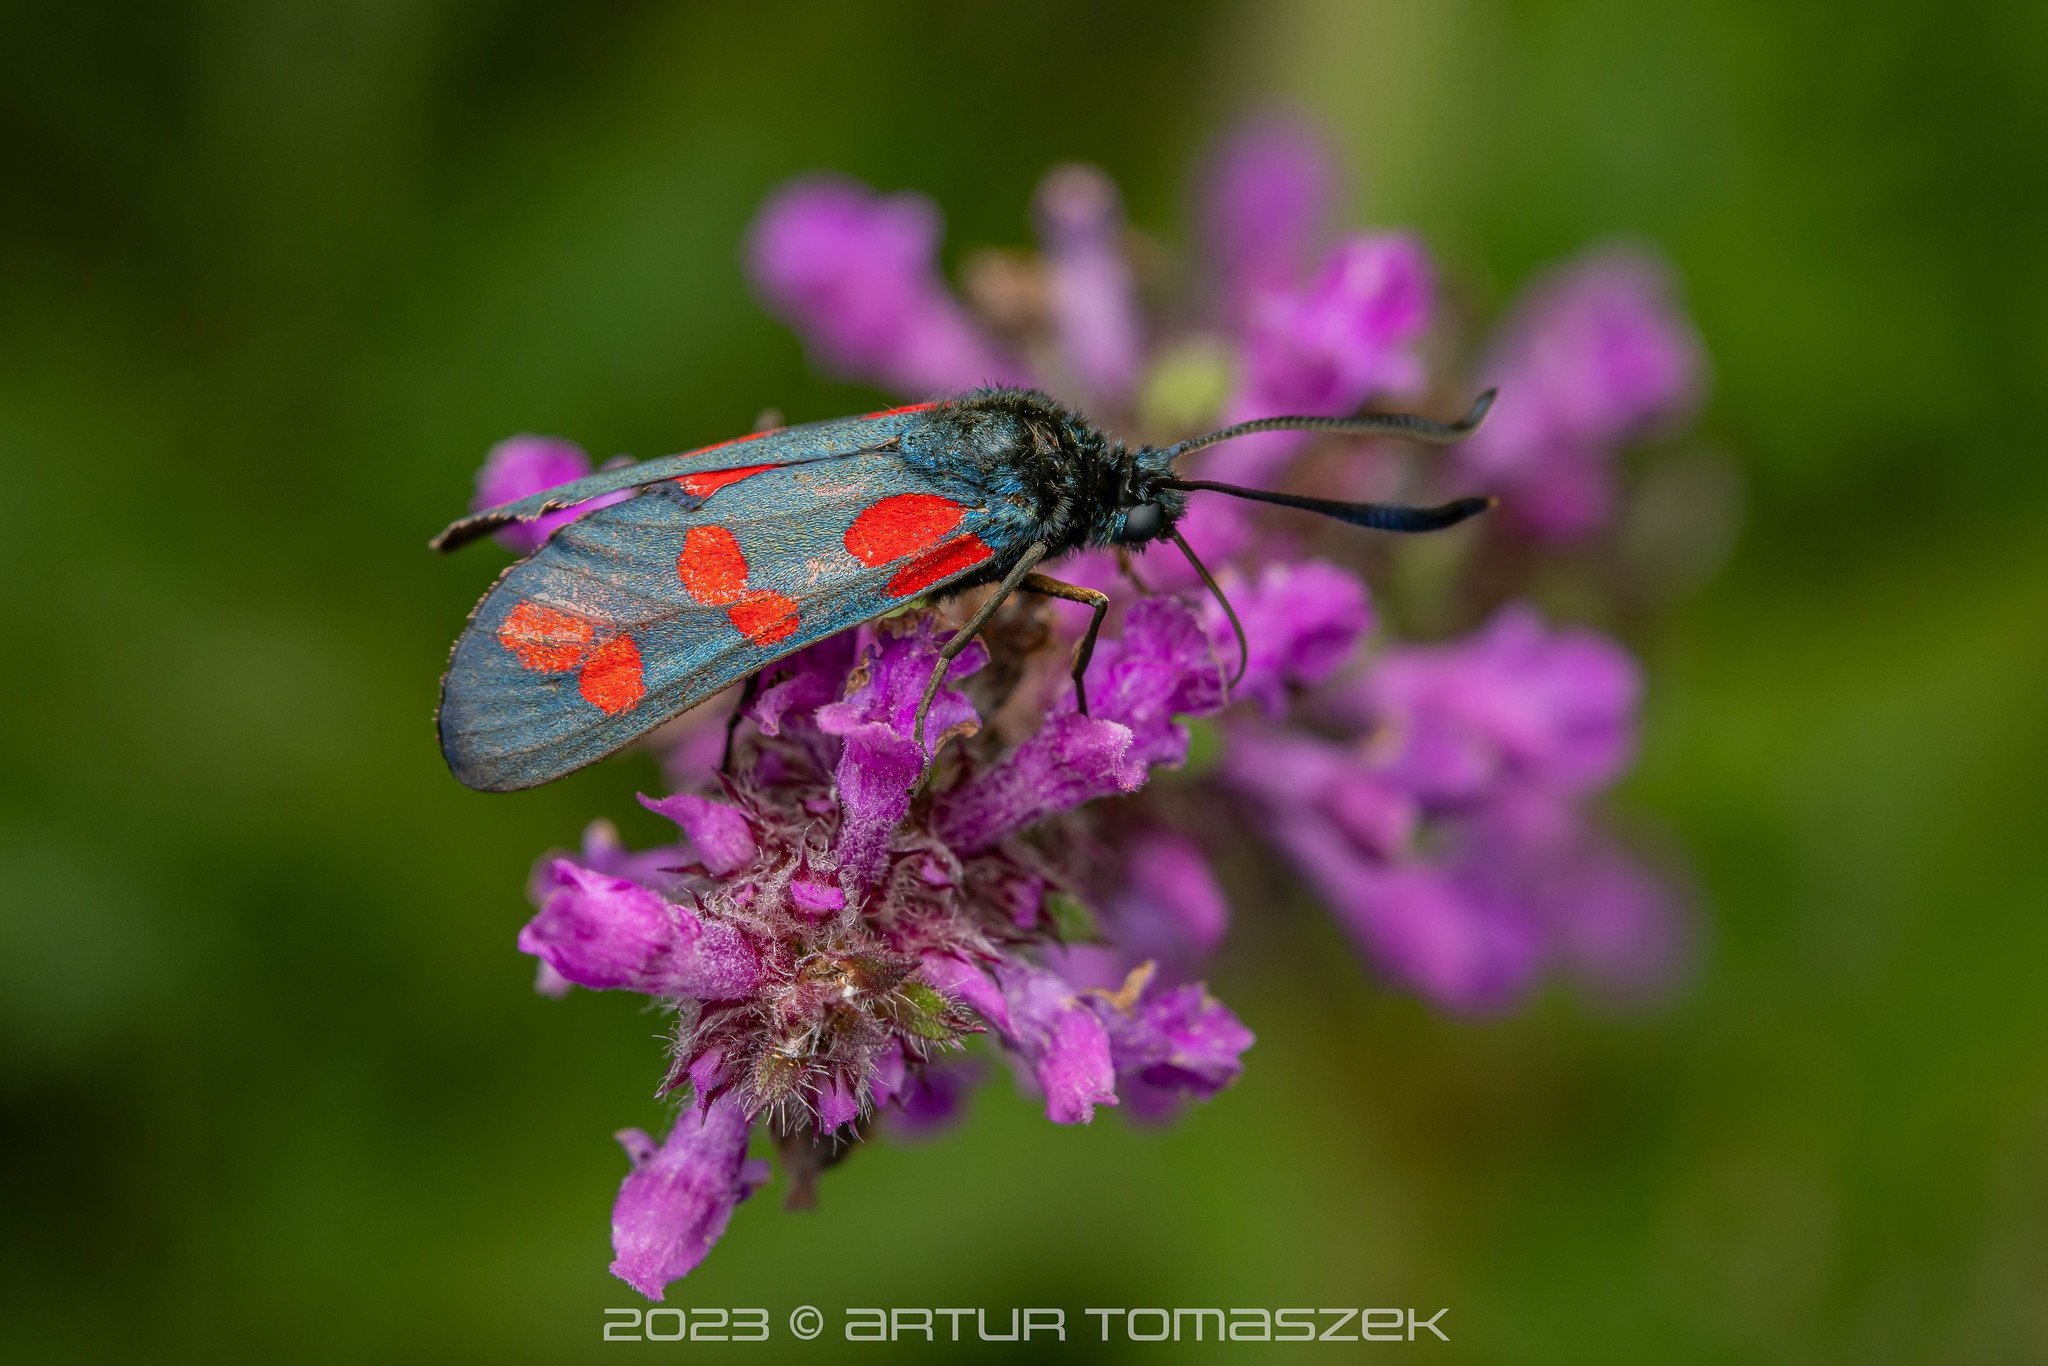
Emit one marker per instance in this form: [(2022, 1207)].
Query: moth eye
[(1142, 522)]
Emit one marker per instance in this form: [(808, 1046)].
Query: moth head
[(1141, 522), (1145, 500)]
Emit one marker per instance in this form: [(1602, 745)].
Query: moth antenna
[(1244, 649), (1378, 516), (1404, 425)]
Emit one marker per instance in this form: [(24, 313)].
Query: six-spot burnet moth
[(731, 557)]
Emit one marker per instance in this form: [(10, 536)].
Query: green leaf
[(923, 1011), (1072, 921)]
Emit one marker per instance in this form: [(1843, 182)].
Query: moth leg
[(748, 690), (1074, 592), (963, 637), (1127, 565)]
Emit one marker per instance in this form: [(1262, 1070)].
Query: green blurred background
[(274, 275)]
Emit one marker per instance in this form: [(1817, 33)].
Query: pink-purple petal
[(604, 932), (1169, 905), (1265, 202), (1181, 1039), (970, 985), (807, 680), (1071, 759), (1094, 297), (523, 465), (933, 1099), (1062, 1040), (1595, 355), (838, 1105), (1297, 775), (880, 761), (1326, 349), (674, 1204), (1467, 948), (1515, 702), (1616, 924), (856, 274), (1161, 668), (1303, 621), (720, 833)]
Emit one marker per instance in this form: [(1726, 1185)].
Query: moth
[(731, 557)]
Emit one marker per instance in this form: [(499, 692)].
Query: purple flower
[(1062, 1040), (932, 1101), (1265, 203), (675, 1202), (609, 932), (1348, 335), (1465, 943), (1596, 355), (824, 942), (837, 1104), (1609, 920), (1513, 702), (1350, 832), (1182, 1039), (827, 929), (1328, 348), (805, 681), (1072, 759), (1488, 744), (970, 985), (1302, 620), (522, 465), (1165, 1046), (604, 852), (1617, 926), (1170, 906), (1305, 780), (1160, 670), (880, 762), (856, 274), (720, 833), (1094, 303)]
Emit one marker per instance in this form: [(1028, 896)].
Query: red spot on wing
[(712, 567), (899, 525), (546, 639), (908, 408), (610, 680), (961, 553), (764, 616), (710, 482)]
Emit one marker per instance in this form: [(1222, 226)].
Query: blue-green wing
[(638, 611), (815, 441)]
